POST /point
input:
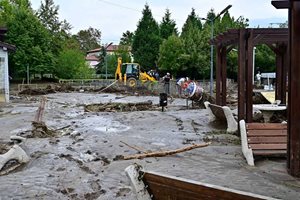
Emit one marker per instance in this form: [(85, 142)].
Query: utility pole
[(212, 48)]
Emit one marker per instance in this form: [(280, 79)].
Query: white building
[(4, 77)]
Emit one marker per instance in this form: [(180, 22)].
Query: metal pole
[(211, 59), (27, 74), (105, 66)]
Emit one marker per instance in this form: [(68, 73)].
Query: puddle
[(107, 129)]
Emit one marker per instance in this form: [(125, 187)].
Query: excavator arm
[(118, 73)]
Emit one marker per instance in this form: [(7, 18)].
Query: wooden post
[(278, 88), (241, 75), (249, 77), (293, 151), (218, 75), (294, 90), (224, 75)]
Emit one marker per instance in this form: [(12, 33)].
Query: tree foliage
[(31, 38), (71, 64), (41, 40), (167, 26), (89, 39), (171, 55), (127, 38), (192, 21), (146, 40)]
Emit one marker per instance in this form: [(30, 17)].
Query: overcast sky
[(113, 17)]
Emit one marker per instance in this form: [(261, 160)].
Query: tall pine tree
[(167, 26), (146, 40), (192, 20)]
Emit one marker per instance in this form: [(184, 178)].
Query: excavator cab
[(130, 73)]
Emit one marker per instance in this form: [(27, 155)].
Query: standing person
[(166, 80), (258, 78), (180, 84)]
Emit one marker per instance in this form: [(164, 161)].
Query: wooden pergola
[(246, 40), (286, 44)]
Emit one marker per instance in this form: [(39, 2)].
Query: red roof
[(109, 48), (91, 58)]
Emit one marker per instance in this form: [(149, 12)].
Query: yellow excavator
[(130, 73)]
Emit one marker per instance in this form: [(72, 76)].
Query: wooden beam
[(281, 4)]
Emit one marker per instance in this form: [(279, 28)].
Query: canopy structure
[(246, 40)]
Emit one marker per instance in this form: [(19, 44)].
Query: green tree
[(167, 26), (30, 37), (102, 60), (197, 49), (146, 40), (192, 20), (171, 55), (48, 15), (89, 39), (264, 59), (127, 38), (71, 64)]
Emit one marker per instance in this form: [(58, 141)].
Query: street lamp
[(212, 47)]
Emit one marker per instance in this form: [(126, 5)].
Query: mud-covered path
[(79, 163)]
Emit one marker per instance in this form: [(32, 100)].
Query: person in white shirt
[(180, 84), (258, 78)]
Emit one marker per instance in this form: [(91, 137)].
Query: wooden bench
[(222, 113), (152, 185), (263, 139)]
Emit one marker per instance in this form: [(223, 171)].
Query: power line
[(121, 6), (118, 5)]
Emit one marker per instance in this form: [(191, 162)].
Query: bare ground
[(79, 163)]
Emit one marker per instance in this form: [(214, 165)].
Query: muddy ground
[(79, 162)]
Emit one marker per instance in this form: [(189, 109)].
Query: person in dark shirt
[(166, 80)]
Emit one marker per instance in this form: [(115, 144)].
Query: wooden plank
[(268, 146), (173, 188), (265, 126), (252, 133), (267, 140), (259, 152)]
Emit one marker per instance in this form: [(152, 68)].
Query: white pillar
[(6, 75)]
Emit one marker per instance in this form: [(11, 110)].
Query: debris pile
[(120, 107)]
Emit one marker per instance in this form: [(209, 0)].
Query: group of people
[(181, 83)]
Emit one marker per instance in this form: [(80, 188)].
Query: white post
[(253, 65), (6, 75)]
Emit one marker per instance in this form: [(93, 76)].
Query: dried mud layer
[(89, 132)]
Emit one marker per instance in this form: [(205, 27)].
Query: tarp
[(270, 96)]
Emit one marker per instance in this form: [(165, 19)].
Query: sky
[(113, 17)]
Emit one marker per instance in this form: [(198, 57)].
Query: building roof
[(91, 58), (8, 46), (110, 48)]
